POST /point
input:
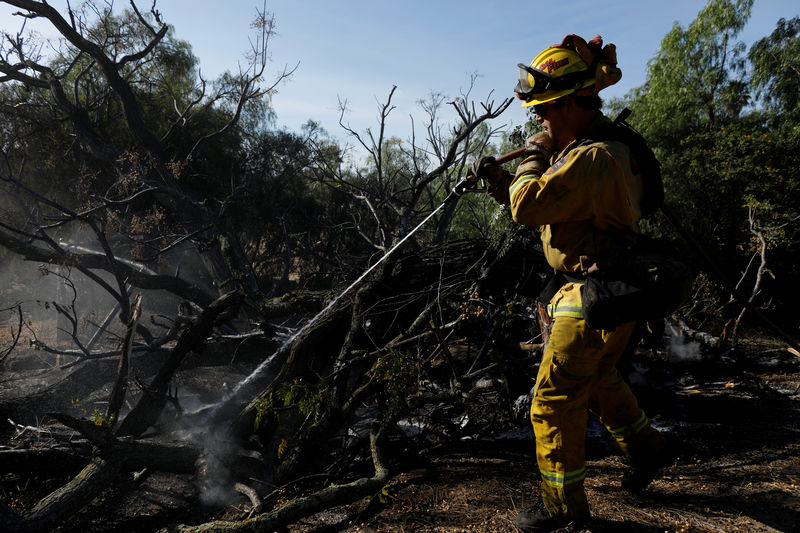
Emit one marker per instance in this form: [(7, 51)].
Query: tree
[(101, 77), (689, 81), (722, 152), (775, 77), (94, 117), (404, 181)]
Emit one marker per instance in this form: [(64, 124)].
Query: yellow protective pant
[(578, 374)]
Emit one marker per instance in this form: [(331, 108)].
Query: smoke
[(223, 461), (216, 479), (680, 347), (38, 286)]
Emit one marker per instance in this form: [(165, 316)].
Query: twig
[(15, 336)]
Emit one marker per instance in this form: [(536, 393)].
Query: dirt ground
[(735, 421), (736, 427)]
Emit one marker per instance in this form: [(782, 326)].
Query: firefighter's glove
[(538, 150), (496, 177), (540, 143), (464, 184)]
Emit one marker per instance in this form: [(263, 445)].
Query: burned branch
[(15, 335)]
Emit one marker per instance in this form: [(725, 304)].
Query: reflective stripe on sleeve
[(573, 311), (525, 178)]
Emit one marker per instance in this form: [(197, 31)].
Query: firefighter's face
[(553, 116)]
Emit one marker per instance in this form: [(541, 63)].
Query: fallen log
[(96, 476)]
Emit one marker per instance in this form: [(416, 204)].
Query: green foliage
[(516, 138), (775, 66), (724, 156), (309, 400), (290, 225), (264, 411), (689, 84), (99, 418), (397, 367)]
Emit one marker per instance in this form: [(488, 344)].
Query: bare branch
[(147, 49), (14, 336), (762, 252), (121, 384), (87, 261), (306, 506), (463, 133), (143, 19), (184, 115), (250, 77)]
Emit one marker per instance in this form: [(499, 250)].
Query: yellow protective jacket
[(584, 203)]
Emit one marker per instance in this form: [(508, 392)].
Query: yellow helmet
[(572, 66), (553, 73)]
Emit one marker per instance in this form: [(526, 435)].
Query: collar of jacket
[(597, 124)]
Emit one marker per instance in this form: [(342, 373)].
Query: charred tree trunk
[(149, 408), (309, 353)]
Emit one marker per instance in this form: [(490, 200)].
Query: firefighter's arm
[(562, 193), (538, 149)]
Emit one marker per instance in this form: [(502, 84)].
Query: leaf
[(282, 447)]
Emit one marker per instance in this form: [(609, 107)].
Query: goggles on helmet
[(543, 82)]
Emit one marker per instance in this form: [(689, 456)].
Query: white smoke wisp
[(680, 348)]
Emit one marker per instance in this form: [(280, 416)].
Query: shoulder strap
[(649, 168)]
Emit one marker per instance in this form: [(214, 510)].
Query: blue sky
[(356, 50)]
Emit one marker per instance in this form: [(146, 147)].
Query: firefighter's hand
[(538, 150), (540, 144), (496, 178), (464, 184)]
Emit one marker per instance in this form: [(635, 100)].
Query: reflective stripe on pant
[(577, 373)]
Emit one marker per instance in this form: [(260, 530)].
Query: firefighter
[(585, 198)]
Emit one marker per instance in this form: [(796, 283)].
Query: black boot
[(537, 519), (644, 470)]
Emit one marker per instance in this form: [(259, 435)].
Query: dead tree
[(402, 184), (130, 167), (110, 456), (151, 166), (761, 237), (127, 192)]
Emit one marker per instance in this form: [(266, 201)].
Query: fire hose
[(470, 182)]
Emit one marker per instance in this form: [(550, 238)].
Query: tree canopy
[(720, 118)]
